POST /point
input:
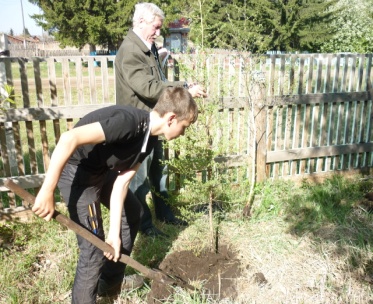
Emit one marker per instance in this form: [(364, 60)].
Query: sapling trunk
[(247, 208), (211, 218)]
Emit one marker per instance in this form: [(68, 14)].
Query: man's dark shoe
[(176, 221), (154, 232), (129, 282)]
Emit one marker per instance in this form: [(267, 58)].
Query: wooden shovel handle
[(68, 223)]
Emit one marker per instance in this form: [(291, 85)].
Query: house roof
[(19, 39)]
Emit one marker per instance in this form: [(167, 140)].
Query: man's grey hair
[(146, 11)]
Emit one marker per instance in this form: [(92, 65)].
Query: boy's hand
[(115, 243), (44, 205)]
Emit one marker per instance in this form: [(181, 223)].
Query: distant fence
[(314, 110), (47, 49)]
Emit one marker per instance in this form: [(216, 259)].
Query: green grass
[(38, 259)]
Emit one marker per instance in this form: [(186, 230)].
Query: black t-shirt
[(125, 129)]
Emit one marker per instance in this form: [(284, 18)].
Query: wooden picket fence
[(313, 112)]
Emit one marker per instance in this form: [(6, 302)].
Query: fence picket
[(66, 81)]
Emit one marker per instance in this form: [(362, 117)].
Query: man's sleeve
[(141, 75)]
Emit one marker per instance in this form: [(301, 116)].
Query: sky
[(11, 17)]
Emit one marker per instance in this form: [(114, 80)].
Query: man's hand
[(197, 90), (44, 205)]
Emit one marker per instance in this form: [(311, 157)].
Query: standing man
[(139, 82)]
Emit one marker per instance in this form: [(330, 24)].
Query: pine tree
[(76, 23), (260, 25), (26, 32)]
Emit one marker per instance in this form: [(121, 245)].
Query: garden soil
[(215, 273)]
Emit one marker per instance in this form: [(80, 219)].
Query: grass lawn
[(303, 244)]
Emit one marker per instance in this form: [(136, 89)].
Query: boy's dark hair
[(179, 101)]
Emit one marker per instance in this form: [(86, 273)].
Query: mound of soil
[(215, 272)]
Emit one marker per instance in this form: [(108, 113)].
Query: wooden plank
[(272, 70), (340, 107), (24, 82), (352, 82), (4, 151), (288, 123), (270, 125), (328, 82), (18, 148), (353, 106), (318, 88), (45, 146), (318, 98), (48, 113), (38, 82), (52, 81), (297, 117), (344, 77), (360, 73), (304, 164), (57, 130), (26, 181), (69, 123), (292, 88), (336, 78), (32, 148), (233, 160), (312, 152), (66, 81), (281, 77), (318, 132), (6, 162), (105, 80), (92, 80), (288, 127), (277, 138), (231, 130), (338, 132), (8, 70), (79, 81)]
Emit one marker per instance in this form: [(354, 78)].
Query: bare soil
[(215, 273)]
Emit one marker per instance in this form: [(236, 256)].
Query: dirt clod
[(215, 272)]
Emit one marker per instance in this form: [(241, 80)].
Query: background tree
[(292, 25), (93, 22), (26, 32), (11, 32), (353, 27), (260, 25)]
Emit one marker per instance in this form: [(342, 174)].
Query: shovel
[(157, 275)]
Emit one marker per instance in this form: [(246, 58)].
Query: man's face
[(150, 31)]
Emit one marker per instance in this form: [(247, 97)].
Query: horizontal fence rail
[(312, 112)]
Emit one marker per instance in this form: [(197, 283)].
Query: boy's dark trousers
[(79, 189)]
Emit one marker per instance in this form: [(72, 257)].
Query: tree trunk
[(92, 48)]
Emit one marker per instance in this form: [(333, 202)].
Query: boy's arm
[(117, 198), (68, 142)]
